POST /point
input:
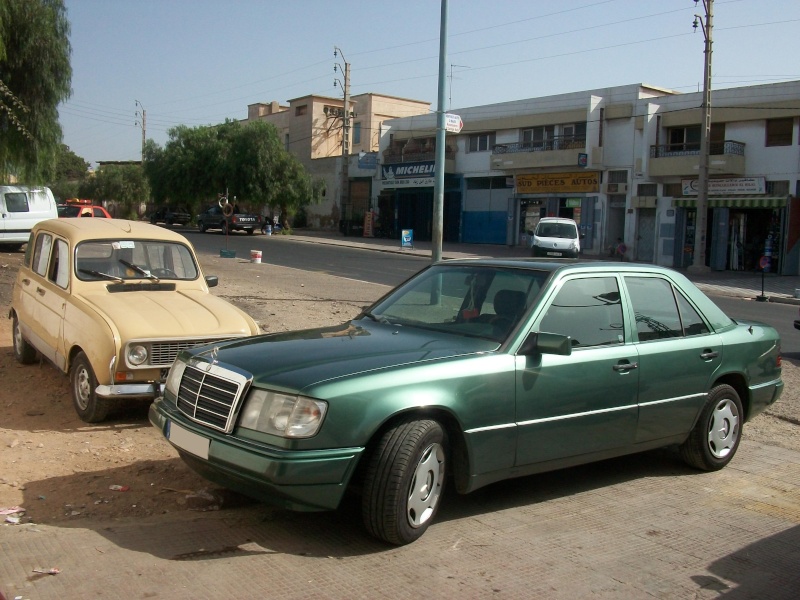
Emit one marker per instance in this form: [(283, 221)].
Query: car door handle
[(709, 354), (40, 291), (625, 367)]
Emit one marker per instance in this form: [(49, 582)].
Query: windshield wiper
[(94, 273), (140, 270), (377, 318)]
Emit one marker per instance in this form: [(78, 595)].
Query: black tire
[(83, 382), (250, 231), (201, 226), (169, 222), (404, 481), (23, 351), (10, 247), (224, 227), (715, 437)]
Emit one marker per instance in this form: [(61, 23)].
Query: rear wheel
[(404, 481), (201, 226), (23, 351), (715, 438), (89, 407)]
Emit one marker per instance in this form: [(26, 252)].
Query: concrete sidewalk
[(745, 284)]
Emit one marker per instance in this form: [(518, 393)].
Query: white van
[(22, 207), (556, 237)]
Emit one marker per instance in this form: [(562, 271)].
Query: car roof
[(556, 220), (78, 230)]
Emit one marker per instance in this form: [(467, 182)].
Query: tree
[(248, 162), (124, 186), (35, 76), (70, 166)]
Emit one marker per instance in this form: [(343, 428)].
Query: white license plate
[(186, 440), (554, 253)]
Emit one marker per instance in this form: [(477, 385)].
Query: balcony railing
[(393, 158), (557, 143), (693, 149)]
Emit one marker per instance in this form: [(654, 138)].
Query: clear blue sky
[(198, 62)]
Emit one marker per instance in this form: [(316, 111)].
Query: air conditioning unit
[(615, 188)]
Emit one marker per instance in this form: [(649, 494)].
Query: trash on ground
[(51, 571), (119, 488)]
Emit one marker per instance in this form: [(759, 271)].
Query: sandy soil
[(59, 468)]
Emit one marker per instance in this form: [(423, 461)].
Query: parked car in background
[(81, 210), (22, 207), (472, 371), (556, 237), (215, 217), (111, 302), (170, 216)]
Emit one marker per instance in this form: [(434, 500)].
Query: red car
[(82, 210)]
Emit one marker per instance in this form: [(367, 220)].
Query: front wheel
[(201, 226), (404, 481), (224, 227), (23, 351), (716, 435), (89, 407)]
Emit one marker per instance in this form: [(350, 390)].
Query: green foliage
[(125, 186), (70, 166), (247, 161), (35, 76)]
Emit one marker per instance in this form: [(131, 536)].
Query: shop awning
[(735, 202)]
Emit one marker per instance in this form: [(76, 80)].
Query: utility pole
[(438, 182), (142, 122), (344, 195), (701, 218)]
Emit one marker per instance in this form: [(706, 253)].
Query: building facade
[(622, 161), (311, 128)]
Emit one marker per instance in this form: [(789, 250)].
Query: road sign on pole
[(453, 123)]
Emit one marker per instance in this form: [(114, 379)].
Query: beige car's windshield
[(127, 259)]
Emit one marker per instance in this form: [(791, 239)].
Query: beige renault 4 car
[(111, 303)]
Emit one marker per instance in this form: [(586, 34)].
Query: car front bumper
[(307, 480), (553, 252), (130, 390)]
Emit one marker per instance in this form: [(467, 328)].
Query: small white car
[(112, 302), (556, 237)]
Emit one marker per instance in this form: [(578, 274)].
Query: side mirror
[(540, 342), (212, 281)]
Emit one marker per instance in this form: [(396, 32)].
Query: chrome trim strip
[(491, 428), (574, 415), (772, 383), (678, 398)]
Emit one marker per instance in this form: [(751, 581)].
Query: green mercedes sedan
[(471, 372)]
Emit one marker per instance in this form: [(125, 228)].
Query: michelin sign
[(414, 174)]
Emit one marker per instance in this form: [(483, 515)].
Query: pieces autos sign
[(550, 183), (413, 174)]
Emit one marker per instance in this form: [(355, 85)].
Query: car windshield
[(482, 301), (126, 259), (557, 230)]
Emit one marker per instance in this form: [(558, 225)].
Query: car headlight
[(173, 382), (137, 354), (282, 414)]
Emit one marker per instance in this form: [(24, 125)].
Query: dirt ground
[(59, 468)]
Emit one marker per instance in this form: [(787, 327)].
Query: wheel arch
[(738, 382), (456, 447)]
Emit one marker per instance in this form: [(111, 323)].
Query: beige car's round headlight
[(137, 354)]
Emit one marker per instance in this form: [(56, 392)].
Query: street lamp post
[(142, 122), (701, 218)]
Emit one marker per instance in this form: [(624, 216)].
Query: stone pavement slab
[(643, 526)]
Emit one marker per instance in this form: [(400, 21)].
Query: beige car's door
[(45, 297)]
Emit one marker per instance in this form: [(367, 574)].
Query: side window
[(654, 308), (41, 253), (17, 202), (693, 323), (588, 310), (59, 265)]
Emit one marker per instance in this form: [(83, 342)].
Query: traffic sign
[(453, 123)]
